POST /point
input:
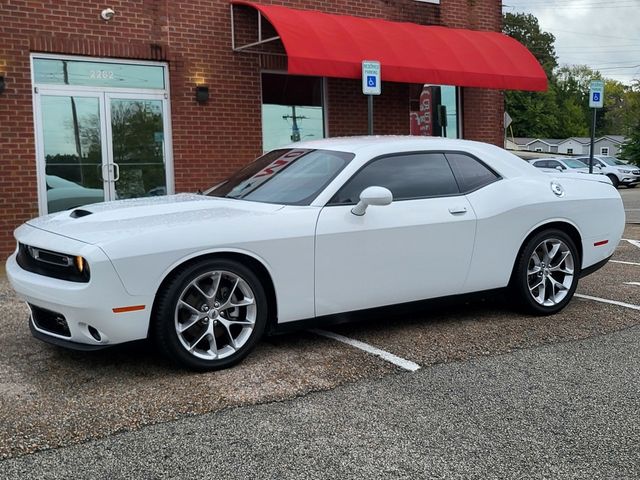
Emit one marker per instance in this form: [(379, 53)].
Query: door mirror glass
[(559, 168), (372, 196)]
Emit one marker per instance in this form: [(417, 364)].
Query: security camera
[(107, 14)]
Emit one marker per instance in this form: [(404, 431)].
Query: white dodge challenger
[(307, 232)]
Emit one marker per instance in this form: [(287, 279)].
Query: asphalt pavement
[(567, 410)]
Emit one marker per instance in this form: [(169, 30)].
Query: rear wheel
[(210, 315), (614, 180), (546, 274)]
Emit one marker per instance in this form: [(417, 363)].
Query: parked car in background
[(619, 172), (63, 194), (312, 231), (561, 165)]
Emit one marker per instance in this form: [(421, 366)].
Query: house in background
[(606, 145)]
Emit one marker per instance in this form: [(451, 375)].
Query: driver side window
[(408, 176)]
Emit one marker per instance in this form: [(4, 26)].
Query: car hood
[(102, 222)]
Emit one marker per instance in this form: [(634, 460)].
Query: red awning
[(330, 45)]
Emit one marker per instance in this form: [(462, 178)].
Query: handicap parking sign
[(371, 81), (596, 94)]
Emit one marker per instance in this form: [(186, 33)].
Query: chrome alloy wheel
[(215, 315), (550, 272)]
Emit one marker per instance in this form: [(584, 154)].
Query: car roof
[(372, 146)]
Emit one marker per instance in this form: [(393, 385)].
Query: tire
[(543, 285), (210, 315), (614, 180)]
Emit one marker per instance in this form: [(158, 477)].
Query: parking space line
[(389, 357), (632, 283), (626, 263), (612, 302), (632, 242)]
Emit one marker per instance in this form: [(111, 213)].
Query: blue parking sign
[(596, 96), (371, 81)]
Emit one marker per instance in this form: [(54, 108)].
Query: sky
[(603, 34)]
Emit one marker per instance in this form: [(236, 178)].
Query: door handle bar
[(457, 210)]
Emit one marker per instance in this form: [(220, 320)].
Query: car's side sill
[(595, 267)]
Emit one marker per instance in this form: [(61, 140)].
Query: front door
[(100, 141), (418, 247)]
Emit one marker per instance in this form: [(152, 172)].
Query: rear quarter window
[(470, 172)]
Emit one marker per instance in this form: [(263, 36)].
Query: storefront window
[(434, 111), (97, 74), (292, 109)]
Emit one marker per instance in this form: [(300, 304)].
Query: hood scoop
[(79, 213)]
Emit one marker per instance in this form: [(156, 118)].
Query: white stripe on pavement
[(632, 242), (626, 263), (612, 302), (632, 283), (389, 357)]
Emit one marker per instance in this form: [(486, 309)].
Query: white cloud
[(602, 34)]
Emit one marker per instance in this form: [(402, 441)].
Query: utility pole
[(295, 130)]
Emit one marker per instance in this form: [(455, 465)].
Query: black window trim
[(460, 193)]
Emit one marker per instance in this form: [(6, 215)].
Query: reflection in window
[(72, 151), (291, 109), (434, 111), (138, 147), (97, 74)]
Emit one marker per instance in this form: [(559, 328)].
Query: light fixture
[(2, 84), (202, 94)]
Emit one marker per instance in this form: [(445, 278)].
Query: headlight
[(624, 171), (72, 268)]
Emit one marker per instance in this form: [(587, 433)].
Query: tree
[(631, 148), (534, 114), (525, 28)]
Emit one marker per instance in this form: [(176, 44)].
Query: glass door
[(102, 130), (72, 149), (136, 130)]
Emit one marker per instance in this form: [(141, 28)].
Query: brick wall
[(193, 36)]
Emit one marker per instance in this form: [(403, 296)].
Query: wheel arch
[(562, 225), (257, 265)]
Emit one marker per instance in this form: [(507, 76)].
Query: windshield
[(286, 176), (575, 164), (613, 161)]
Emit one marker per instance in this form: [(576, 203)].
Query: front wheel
[(546, 273), (614, 180), (210, 315)]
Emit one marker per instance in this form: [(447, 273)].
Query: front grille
[(51, 264), (636, 172), (50, 321)]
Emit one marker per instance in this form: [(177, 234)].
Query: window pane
[(427, 104), (291, 109), (72, 151), (100, 74), (407, 176), (470, 173)]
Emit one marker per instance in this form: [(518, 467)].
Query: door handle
[(457, 210), (116, 172)]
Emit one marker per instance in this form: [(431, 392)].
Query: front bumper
[(86, 308)]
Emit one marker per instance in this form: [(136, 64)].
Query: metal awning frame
[(249, 47)]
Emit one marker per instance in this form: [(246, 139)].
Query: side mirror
[(559, 168), (372, 196)]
